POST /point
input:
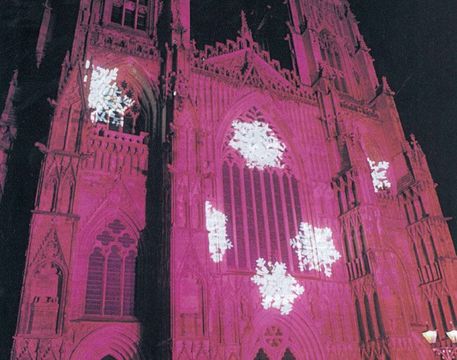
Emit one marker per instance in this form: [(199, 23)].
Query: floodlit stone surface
[(181, 201)]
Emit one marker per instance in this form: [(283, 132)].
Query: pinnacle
[(245, 31)]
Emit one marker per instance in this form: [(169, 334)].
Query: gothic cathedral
[(204, 202)]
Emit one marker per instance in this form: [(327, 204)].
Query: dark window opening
[(360, 321), (129, 19), (141, 22), (116, 15), (432, 315)]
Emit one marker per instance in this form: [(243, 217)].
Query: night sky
[(414, 43)]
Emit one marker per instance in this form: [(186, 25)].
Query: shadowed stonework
[(206, 202)]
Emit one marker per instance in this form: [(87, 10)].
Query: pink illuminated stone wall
[(301, 224)]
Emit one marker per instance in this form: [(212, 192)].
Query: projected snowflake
[(105, 98), (257, 144), (379, 175), (219, 243), (314, 248), (277, 288)]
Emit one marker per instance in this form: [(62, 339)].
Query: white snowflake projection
[(379, 175), (106, 100), (277, 288), (314, 248), (258, 144), (219, 243)]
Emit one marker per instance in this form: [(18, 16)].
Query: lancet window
[(263, 212), (370, 325), (110, 285), (288, 355), (131, 13), (331, 56), (261, 355)]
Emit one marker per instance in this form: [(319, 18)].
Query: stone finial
[(8, 110), (245, 31), (386, 87)]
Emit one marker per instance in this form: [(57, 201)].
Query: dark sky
[(414, 43)]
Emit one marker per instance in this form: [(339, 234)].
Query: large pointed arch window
[(331, 56), (262, 203), (110, 287)]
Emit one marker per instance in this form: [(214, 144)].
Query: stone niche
[(45, 304)]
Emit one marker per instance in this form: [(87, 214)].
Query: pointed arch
[(288, 355), (119, 342), (264, 207), (261, 355), (109, 244), (136, 78), (67, 191), (271, 114), (302, 341), (331, 55), (50, 190)]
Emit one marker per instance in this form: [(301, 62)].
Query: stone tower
[(207, 203)]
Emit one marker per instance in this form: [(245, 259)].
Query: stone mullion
[(122, 286), (105, 275), (135, 16), (233, 206), (374, 317), (266, 221), (275, 216), (290, 217), (244, 210), (287, 231), (254, 210)]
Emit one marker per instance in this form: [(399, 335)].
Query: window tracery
[(47, 292), (331, 56), (131, 13), (113, 101), (263, 211), (110, 287)]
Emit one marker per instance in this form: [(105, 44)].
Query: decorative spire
[(384, 88), (8, 111), (245, 31), (43, 36), (7, 130)]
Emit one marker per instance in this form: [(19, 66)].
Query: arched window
[(431, 314), (451, 309), (360, 321), (131, 13), (288, 355), (54, 195), (442, 316), (371, 332), (377, 309), (45, 304), (331, 56), (263, 211), (261, 355), (110, 288)]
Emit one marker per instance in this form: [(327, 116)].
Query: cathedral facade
[(207, 203)]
